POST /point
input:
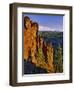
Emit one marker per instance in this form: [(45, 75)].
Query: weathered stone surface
[(36, 48)]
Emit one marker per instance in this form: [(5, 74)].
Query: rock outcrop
[(35, 47)]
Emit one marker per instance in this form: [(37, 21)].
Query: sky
[(47, 22)]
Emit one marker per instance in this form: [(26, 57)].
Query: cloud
[(46, 28)]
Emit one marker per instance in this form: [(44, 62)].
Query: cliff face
[(40, 53)]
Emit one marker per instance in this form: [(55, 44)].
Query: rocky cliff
[(41, 54)]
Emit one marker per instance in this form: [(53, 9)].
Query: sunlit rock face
[(37, 51)]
